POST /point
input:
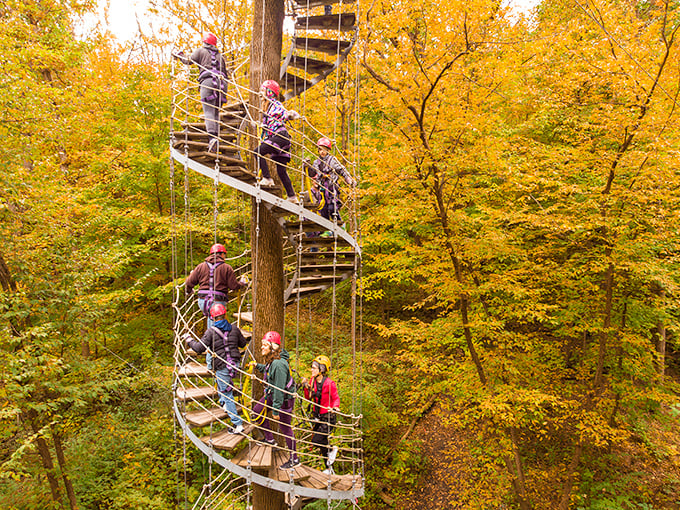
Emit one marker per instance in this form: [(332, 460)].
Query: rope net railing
[(199, 393), (239, 135)]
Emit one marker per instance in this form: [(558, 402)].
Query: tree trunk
[(266, 235), (661, 344), (565, 496), (72, 500), (46, 460)]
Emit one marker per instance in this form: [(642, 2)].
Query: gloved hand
[(293, 115), (244, 280)]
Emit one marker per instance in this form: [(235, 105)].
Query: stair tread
[(342, 21), (193, 369), (223, 440), (330, 46), (205, 417), (196, 393)]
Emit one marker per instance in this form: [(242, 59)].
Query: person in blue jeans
[(223, 340)]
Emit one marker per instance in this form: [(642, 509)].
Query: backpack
[(209, 295), (218, 94)]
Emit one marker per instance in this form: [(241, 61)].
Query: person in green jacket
[(279, 394)]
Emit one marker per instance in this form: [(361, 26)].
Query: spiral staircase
[(318, 255)]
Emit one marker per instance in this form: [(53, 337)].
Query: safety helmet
[(217, 309), (325, 142), (217, 248), (272, 337), (271, 88), (209, 38), (324, 363)]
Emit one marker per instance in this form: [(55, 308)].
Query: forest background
[(520, 194)]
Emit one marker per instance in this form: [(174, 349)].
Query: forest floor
[(445, 475)]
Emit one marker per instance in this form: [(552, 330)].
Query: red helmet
[(217, 248), (217, 309), (271, 88), (272, 337), (325, 142), (209, 38)]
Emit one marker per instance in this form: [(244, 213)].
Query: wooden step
[(193, 369), (344, 21), (245, 316), (318, 3), (292, 81), (259, 455), (181, 136), (323, 242), (283, 475), (305, 292), (315, 281), (310, 65), (328, 46), (326, 269), (205, 417), (224, 160), (223, 440), (200, 393), (229, 123), (225, 148), (325, 257), (318, 480)]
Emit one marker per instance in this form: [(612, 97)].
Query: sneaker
[(212, 146), (271, 442), (237, 429), (290, 464), (269, 182), (331, 456), (293, 200), (328, 471)]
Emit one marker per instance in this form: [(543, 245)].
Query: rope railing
[(346, 436)]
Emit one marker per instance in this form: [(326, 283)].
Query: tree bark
[(72, 500), (266, 235), (661, 344), (45, 459)]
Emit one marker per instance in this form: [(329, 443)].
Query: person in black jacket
[(212, 82), (224, 340)]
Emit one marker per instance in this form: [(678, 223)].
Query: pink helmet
[(217, 248), (209, 38), (271, 88), (272, 337), (217, 309), (325, 142)]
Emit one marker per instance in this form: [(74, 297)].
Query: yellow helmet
[(324, 363)]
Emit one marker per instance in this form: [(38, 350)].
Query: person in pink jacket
[(323, 393)]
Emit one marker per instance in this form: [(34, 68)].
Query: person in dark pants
[(212, 81), (275, 138), (279, 394), (323, 393), (223, 340)]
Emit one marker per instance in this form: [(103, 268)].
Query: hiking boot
[(267, 182), (331, 456), (328, 471), (238, 429), (290, 464), (294, 200)]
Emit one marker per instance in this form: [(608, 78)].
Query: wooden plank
[(325, 268), (318, 3), (225, 441), (283, 475), (249, 453), (346, 482), (293, 81), (329, 46), (310, 65), (245, 316), (203, 392), (193, 369), (344, 21), (205, 417)]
